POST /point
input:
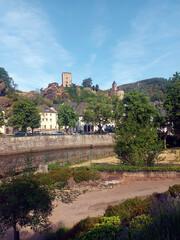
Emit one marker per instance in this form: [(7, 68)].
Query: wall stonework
[(15, 150)]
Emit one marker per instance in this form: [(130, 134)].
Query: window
[(44, 126), (50, 114), (46, 119), (46, 114), (51, 119), (42, 119)]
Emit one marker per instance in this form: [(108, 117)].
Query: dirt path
[(95, 203)]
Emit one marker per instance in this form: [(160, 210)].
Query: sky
[(106, 40)]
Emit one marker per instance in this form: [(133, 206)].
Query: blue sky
[(107, 40)]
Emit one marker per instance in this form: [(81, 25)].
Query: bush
[(106, 232), (54, 176), (174, 190), (114, 220), (128, 209), (82, 227), (139, 223), (85, 175)]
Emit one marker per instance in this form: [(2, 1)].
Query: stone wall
[(15, 151)]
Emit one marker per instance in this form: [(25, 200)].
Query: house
[(48, 118)]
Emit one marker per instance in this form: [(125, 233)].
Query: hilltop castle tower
[(116, 91), (66, 79)]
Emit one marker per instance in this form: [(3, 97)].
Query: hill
[(154, 88)]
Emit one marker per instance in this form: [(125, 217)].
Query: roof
[(80, 108), (46, 109), (114, 83)]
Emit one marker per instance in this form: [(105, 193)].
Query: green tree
[(25, 114), (97, 87), (67, 117), (98, 112), (25, 202), (1, 118), (172, 102), (87, 82), (136, 135), (8, 80), (118, 109)]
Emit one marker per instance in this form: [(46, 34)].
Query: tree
[(8, 80), (136, 136), (1, 118), (25, 202), (98, 112), (67, 117), (172, 102), (25, 114), (87, 82), (118, 109), (97, 87)]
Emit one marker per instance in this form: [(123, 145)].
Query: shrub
[(106, 232), (114, 220), (54, 176), (140, 222), (85, 175), (174, 190), (128, 209), (82, 227)]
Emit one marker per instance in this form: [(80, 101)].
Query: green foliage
[(172, 102), (85, 175), (67, 116), (98, 112), (25, 202), (139, 223), (25, 114), (1, 118), (106, 232), (136, 133), (63, 174), (136, 168), (118, 109), (78, 94), (82, 227), (7, 80), (154, 88), (54, 176), (174, 190), (128, 209), (108, 221), (87, 82)]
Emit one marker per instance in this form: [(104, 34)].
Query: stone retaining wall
[(15, 151)]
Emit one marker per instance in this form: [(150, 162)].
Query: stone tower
[(66, 79), (114, 87)]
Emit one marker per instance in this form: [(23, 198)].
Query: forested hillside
[(154, 88)]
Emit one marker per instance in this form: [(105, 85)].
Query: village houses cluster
[(49, 115)]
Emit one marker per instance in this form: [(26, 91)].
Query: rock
[(54, 91), (71, 182), (3, 88)]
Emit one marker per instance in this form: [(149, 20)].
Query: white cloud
[(99, 35), (28, 43)]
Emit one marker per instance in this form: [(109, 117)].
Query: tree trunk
[(164, 141), (16, 233)]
